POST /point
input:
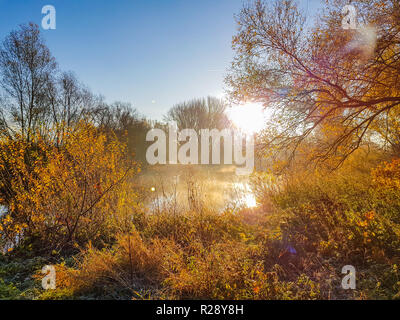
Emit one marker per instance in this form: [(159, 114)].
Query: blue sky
[(152, 53)]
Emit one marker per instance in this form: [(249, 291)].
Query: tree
[(329, 86), (67, 101), (63, 162), (199, 114), (26, 65), (121, 119)]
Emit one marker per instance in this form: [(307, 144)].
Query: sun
[(249, 117)]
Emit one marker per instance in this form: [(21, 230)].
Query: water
[(212, 194)]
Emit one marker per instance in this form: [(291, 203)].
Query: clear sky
[(152, 53)]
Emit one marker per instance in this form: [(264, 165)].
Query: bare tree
[(199, 114), (126, 123), (26, 65), (68, 101)]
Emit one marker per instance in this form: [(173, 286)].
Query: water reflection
[(245, 196), (210, 193)]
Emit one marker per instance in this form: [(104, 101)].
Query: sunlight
[(250, 200), (247, 197), (250, 117)]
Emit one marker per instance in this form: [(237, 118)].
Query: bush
[(332, 219), (64, 196), (213, 257)]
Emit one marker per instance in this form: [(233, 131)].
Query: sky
[(151, 53)]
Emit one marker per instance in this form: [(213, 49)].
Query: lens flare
[(250, 117)]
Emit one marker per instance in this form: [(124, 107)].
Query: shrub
[(64, 196), (332, 219)]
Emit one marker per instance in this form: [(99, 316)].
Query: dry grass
[(294, 249)]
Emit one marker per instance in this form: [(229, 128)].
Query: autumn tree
[(36, 95), (328, 86), (64, 160)]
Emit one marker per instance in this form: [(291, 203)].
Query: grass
[(292, 246)]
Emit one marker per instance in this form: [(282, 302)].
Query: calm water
[(216, 189)]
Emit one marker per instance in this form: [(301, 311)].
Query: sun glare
[(249, 117), (247, 197)]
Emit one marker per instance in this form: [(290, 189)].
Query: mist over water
[(196, 187)]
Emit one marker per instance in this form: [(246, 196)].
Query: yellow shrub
[(65, 196)]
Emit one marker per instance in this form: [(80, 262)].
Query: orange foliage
[(64, 195)]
